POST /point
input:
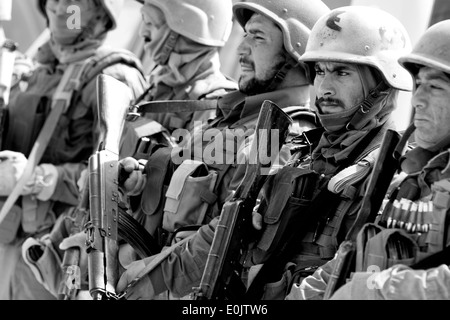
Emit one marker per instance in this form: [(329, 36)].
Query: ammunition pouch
[(178, 197), (190, 192), (159, 170), (283, 209), (383, 248)]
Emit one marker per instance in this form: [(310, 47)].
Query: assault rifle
[(109, 222), (113, 100), (379, 181), (100, 205), (221, 276)]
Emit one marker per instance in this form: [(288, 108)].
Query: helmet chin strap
[(282, 72), (168, 47), (366, 109)]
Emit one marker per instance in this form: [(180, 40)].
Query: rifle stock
[(220, 278), (380, 178), (114, 98)]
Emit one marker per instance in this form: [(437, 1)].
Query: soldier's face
[(68, 18), (154, 27), (430, 100), (260, 54), (338, 86)]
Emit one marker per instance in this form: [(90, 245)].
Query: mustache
[(329, 100), (244, 60)]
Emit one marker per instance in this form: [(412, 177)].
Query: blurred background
[(27, 27)]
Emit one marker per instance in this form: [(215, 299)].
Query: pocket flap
[(179, 177), (156, 168), (284, 182)]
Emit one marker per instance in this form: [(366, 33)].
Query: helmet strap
[(363, 115), (281, 74), (168, 47)]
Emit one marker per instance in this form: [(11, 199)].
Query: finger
[(122, 283), (130, 164), (257, 220), (77, 240)]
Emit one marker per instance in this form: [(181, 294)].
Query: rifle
[(113, 99), (379, 181), (221, 276)]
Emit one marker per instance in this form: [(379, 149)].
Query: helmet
[(361, 35), (112, 8), (432, 50), (294, 17), (207, 22)]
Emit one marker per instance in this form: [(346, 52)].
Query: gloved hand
[(131, 177), (41, 183), (77, 240), (256, 218), (12, 166), (141, 290)]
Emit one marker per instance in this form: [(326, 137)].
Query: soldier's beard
[(257, 86)]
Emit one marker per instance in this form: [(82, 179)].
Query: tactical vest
[(317, 208)]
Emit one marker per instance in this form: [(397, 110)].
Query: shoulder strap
[(106, 57)]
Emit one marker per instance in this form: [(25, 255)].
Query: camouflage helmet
[(207, 22), (361, 35), (294, 18), (432, 50), (112, 8)]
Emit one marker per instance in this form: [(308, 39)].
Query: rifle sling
[(177, 106)]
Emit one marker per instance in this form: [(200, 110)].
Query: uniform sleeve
[(313, 287), (398, 283), (183, 269)]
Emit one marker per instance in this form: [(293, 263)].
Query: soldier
[(417, 266), (309, 204), (184, 46), (62, 88), (275, 38)]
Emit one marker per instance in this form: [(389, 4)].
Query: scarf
[(188, 60)]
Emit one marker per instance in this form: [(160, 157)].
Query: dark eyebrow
[(255, 31), (336, 68)]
